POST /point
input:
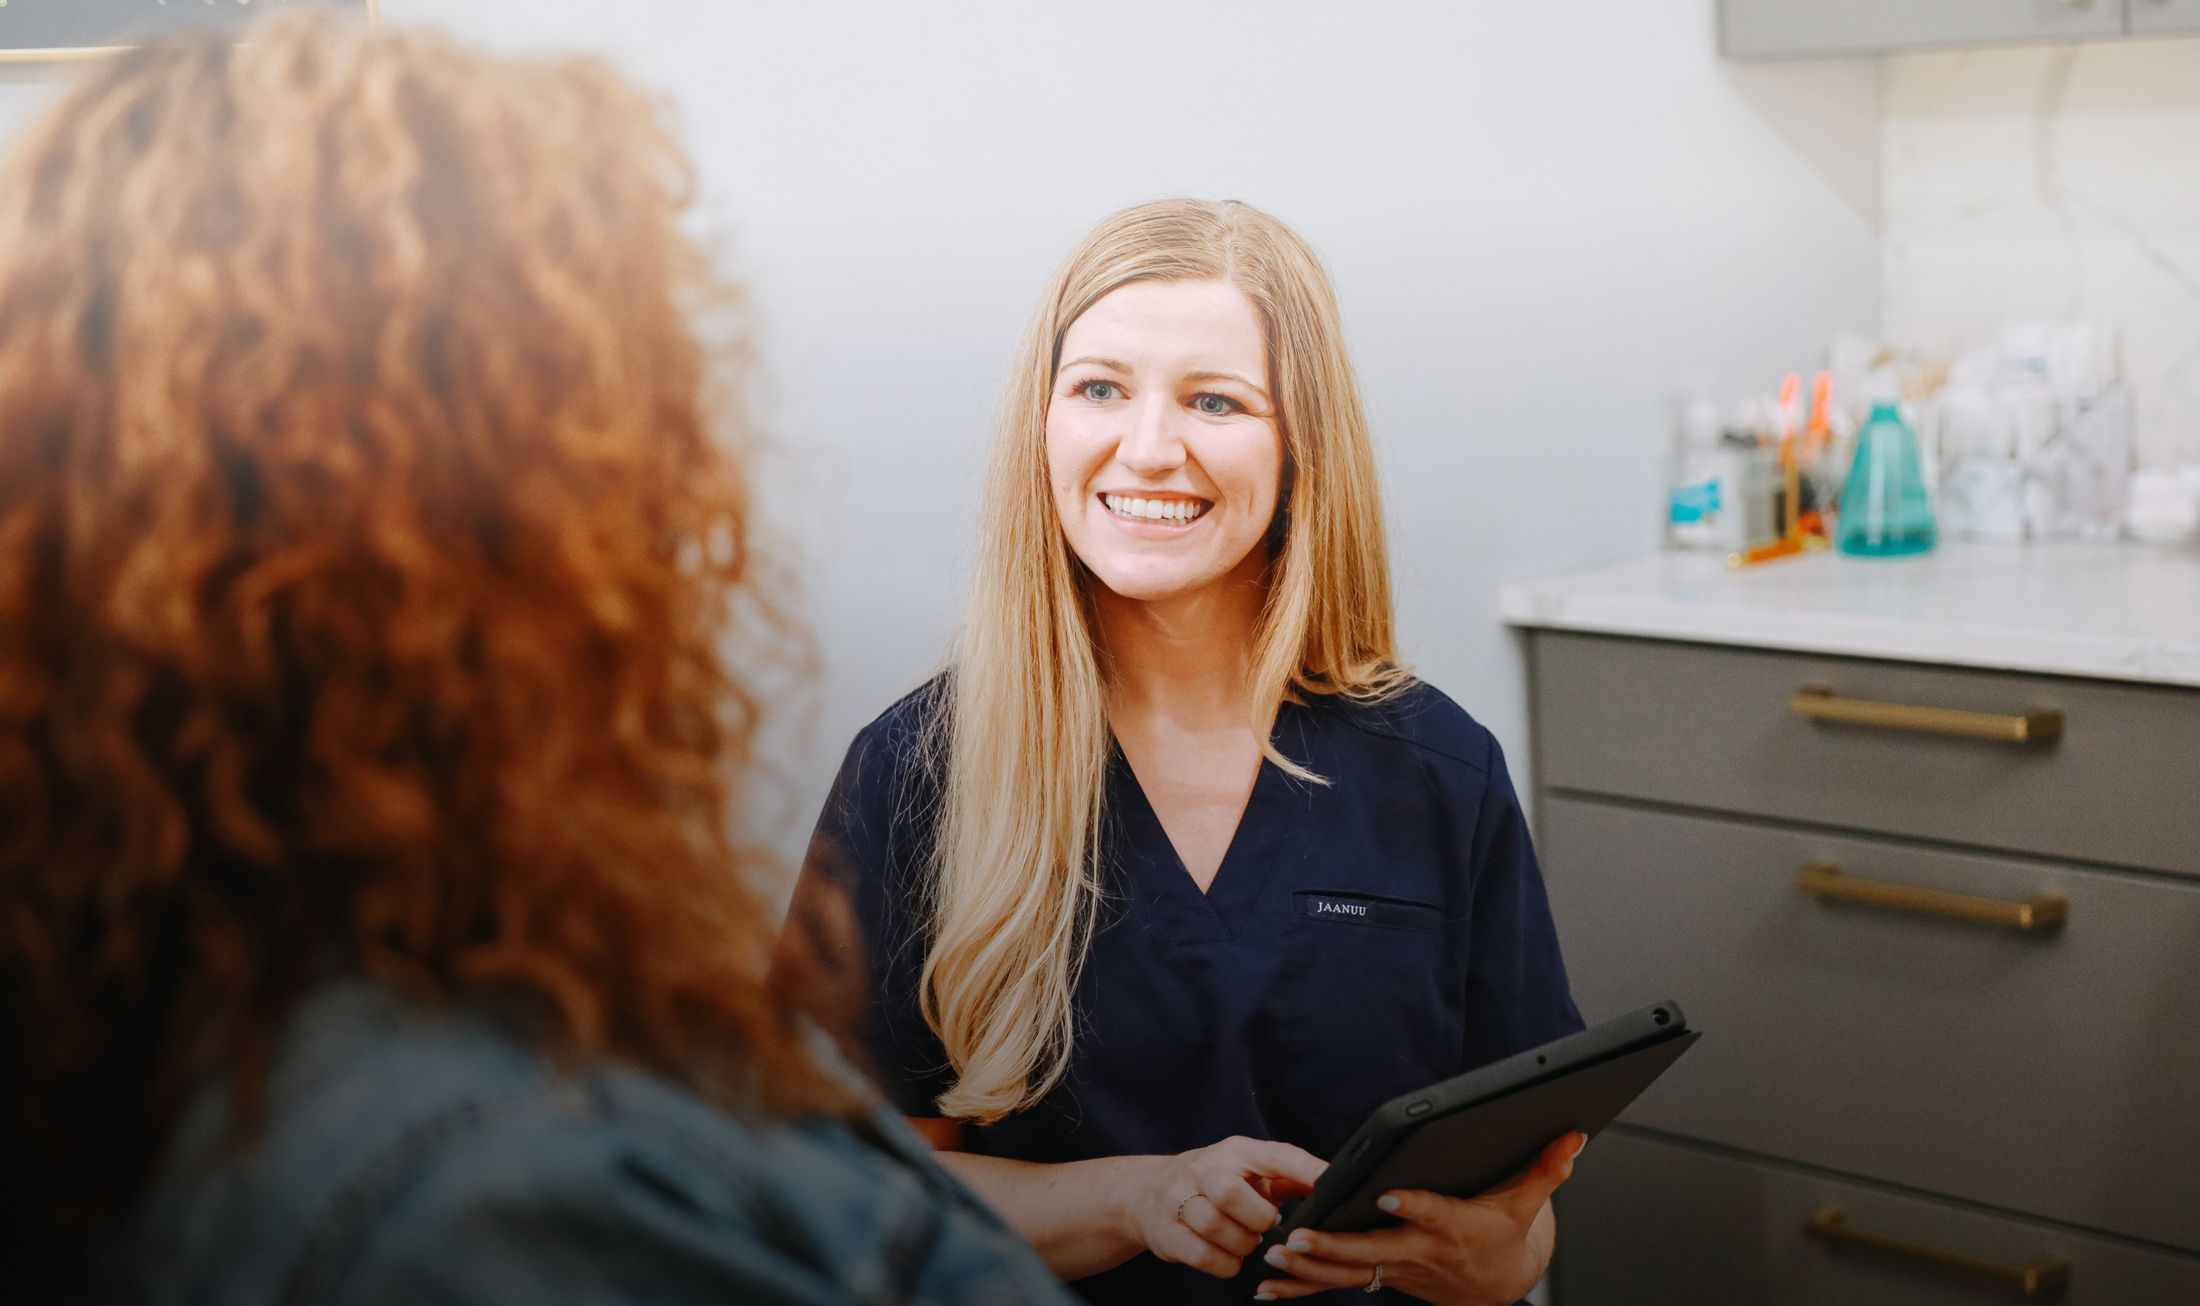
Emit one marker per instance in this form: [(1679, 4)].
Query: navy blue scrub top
[(1360, 940)]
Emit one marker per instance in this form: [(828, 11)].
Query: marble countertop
[(2108, 612)]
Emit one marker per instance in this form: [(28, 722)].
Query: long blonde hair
[(1024, 742)]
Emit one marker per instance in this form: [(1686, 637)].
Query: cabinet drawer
[(1717, 728), (1647, 1221), (2052, 1072)]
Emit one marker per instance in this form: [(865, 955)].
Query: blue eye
[(1214, 405), (1098, 390)]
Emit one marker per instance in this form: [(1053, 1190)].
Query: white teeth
[(1169, 510)]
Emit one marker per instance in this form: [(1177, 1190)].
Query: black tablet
[(1469, 1134)]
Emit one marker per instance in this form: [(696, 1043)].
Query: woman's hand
[(1208, 1208), (1477, 1251)]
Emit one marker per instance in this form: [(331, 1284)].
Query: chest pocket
[(1367, 909), (1374, 991)]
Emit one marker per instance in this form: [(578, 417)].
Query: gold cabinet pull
[(2045, 1277), (2038, 727), (1824, 880)]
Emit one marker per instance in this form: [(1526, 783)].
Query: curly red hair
[(370, 554)]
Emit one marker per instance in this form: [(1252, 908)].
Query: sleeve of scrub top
[(869, 848), (1516, 980)]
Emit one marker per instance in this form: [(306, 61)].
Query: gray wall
[(1538, 218)]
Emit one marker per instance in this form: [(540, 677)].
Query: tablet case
[(1471, 1133)]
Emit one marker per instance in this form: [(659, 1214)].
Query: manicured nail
[(1300, 1245), (1264, 1295), (1388, 1204), (1580, 1142), (1275, 1258), (1278, 1220)]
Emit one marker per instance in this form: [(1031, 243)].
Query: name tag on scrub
[(1368, 909)]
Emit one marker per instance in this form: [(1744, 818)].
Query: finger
[(1315, 1270), (1278, 1160), (1286, 1289), (1365, 1250), (1238, 1202), (1273, 1189), (1203, 1217), (1178, 1243), (1534, 1186), (1433, 1212)]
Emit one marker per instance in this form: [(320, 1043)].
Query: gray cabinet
[(1776, 29), (1730, 1230), (2047, 1071), (2163, 17), (1731, 730), (1939, 927)]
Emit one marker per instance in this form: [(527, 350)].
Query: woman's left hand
[(1459, 1251)]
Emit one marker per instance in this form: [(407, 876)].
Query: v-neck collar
[(1251, 857)]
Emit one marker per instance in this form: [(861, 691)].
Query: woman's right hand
[(1208, 1207)]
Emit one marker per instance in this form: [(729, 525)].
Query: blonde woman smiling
[(1176, 872)]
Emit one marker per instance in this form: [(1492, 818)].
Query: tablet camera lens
[(1662, 1017)]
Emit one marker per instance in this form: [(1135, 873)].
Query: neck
[(1187, 656)]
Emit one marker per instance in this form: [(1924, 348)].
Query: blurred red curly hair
[(370, 551)]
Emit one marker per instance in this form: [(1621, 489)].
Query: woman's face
[(1162, 443)]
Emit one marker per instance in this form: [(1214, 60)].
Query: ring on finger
[(1187, 1201), (1375, 1284)]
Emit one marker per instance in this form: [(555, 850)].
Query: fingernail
[(1278, 1220), (1264, 1295), (1579, 1143), (1388, 1204), (1300, 1245), (1275, 1258)]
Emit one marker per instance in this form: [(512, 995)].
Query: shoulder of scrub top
[(899, 733), (877, 816), (888, 757), (1427, 718)]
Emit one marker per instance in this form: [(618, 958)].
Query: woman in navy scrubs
[(1175, 873)]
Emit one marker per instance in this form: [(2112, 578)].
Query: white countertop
[(2110, 612)]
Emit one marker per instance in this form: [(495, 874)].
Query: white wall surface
[(1538, 218), (2053, 182)]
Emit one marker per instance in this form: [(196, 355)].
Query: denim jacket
[(422, 1158)]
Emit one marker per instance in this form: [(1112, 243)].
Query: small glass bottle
[(1885, 510)]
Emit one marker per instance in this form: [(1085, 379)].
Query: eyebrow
[(1227, 376), (1117, 365)]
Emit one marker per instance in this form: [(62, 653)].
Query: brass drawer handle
[(2039, 726), (2045, 1277), (1825, 880)]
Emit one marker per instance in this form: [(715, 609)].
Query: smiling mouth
[(1160, 512)]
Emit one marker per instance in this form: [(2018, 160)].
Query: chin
[(1141, 586)]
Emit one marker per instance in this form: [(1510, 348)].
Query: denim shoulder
[(414, 1157)]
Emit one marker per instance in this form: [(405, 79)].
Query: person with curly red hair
[(383, 646)]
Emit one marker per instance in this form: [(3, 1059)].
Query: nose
[(1151, 447)]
